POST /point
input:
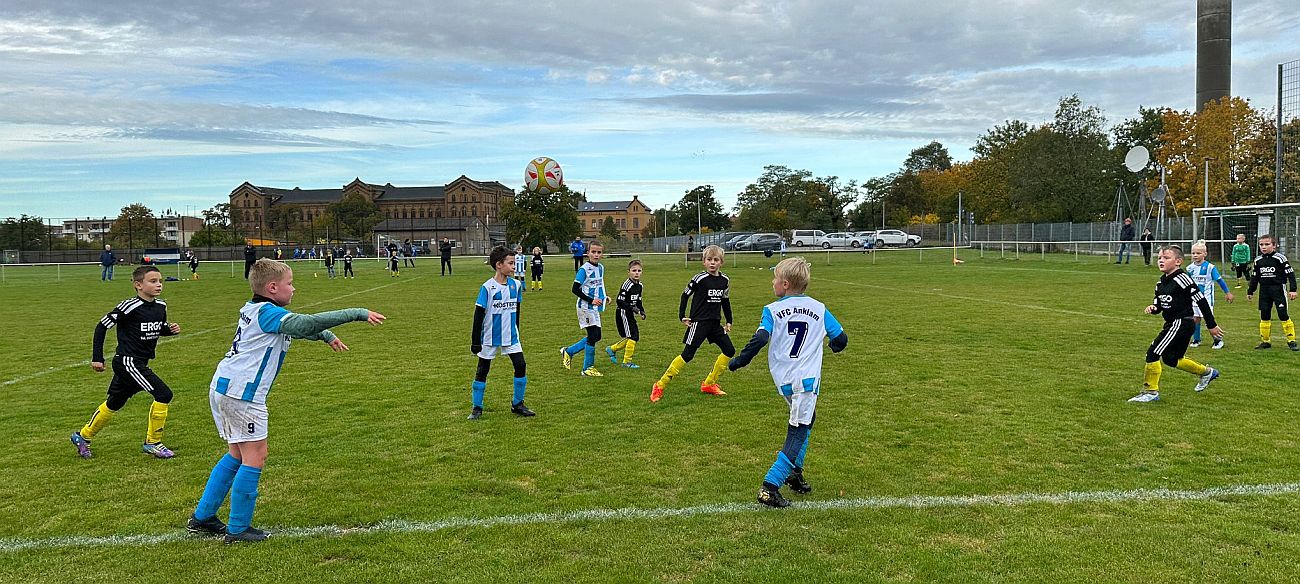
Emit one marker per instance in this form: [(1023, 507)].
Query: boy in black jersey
[(1175, 295), (393, 264), (1272, 272), (710, 303), (629, 306), (140, 321), (194, 265), (537, 267), (347, 265)]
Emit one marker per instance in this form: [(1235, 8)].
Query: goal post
[(1219, 227)]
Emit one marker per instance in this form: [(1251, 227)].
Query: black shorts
[(1171, 343), (1271, 297), (132, 376), (627, 327), (705, 330), (537, 273), (1242, 270)]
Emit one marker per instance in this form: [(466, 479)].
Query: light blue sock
[(243, 497), (780, 470), (521, 385), (576, 348), (1196, 333), (477, 389), (214, 494), (590, 358)]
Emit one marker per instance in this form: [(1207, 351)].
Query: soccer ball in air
[(543, 175), (148, 260)]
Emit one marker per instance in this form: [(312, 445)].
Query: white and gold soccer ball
[(543, 175)]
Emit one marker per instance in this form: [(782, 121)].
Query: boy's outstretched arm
[(747, 354), (315, 327), (835, 331)]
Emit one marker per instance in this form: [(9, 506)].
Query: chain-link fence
[(1287, 185)]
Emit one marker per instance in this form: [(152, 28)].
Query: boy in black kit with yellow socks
[(710, 298), (1175, 295)]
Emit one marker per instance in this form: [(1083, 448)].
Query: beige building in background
[(632, 217)]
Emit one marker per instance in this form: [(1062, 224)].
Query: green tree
[(711, 216), (932, 156), (355, 216), (609, 229), (283, 220), (1064, 171), (25, 232), (777, 201), (135, 227), (536, 219), (216, 230), (829, 202)]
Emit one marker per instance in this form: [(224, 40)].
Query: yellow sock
[(539, 284), (1191, 366), (98, 420), (616, 347), (1151, 377), (1288, 327), (1265, 330), (630, 348), (719, 365), (157, 419), (673, 369)]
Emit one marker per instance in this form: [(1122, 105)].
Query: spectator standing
[(1147, 238), (579, 251), (1126, 234), (107, 259), (444, 252), (250, 256)]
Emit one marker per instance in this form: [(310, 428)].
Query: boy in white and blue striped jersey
[(1206, 275), (237, 394), (795, 325), (496, 330), (589, 287)]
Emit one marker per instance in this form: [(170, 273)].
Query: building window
[(636, 222), (422, 213), (473, 211), (593, 223), (437, 213)]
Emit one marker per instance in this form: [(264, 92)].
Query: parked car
[(865, 239), (730, 243), (802, 237), (761, 242), (837, 239), (895, 237)]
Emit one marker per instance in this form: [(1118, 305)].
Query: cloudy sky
[(174, 104)]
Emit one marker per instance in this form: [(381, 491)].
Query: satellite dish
[(1137, 158), (1158, 195)]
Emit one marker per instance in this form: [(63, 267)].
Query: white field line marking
[(991, 301), (184, 336), (400, 526)]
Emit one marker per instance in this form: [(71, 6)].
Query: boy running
[(627, 307), (589, 287), (795, 325), (1175, 295), (140, 320), (710, 298), (1272, 271), (237, 394), (496, 330)]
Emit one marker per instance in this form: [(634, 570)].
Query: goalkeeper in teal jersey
[(795, 325)]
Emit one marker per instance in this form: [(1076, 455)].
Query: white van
[(802, 237)]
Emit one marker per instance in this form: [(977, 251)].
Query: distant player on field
[(589, 287), (347, 265), (140, 320), (496, 331), (237, 394), (710, 298), (394, 264), (795, 325), (194, 265), (539, 264), (1175, 295), (1272, 271), (521, 264), (1241, 259), (1206, 275), (628, 306)]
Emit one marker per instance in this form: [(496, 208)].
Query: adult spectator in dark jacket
[(444, 250), (579, 251), (1147, 238), (408, 254), (107, 259), (1126, 234), (250, 256)]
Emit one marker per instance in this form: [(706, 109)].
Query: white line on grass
[(991, 301), (184, 336), (400, 526)]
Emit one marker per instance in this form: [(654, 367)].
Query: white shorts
[(588, 317), (1196, 307), (238, 420), (489, 352), (802, 406)]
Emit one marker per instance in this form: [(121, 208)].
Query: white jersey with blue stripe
[(591, 278), (500, 303), (1206, 275), (521, 264), (796, 326), (256, 354)]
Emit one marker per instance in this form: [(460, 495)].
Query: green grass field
[(996, 377)]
